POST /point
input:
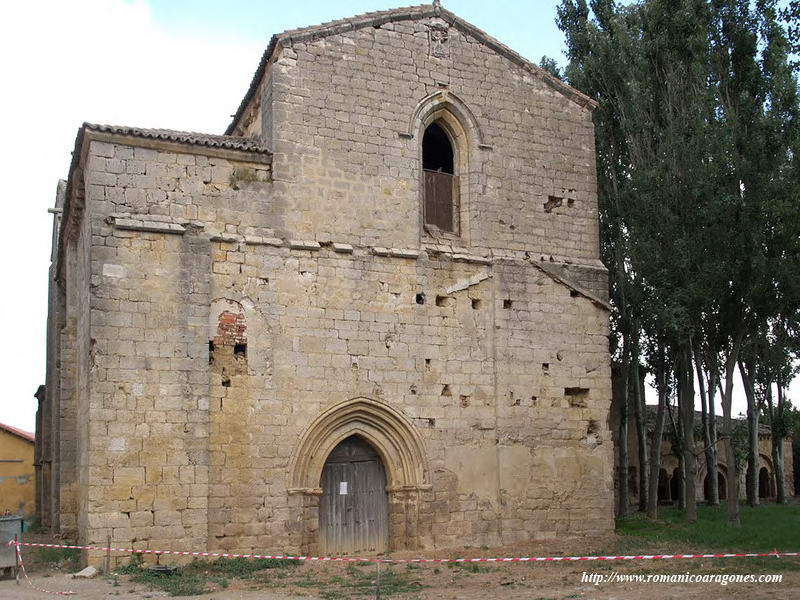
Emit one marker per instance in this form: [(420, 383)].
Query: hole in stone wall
[(507, 303), (464, 401), (444, 301), (552, 202), (240, 350), (576, 391), (211, 352), (577, 396), (446, 391), (427, 364), (420, 298), (226, 381), (593, 427), (476, 303), (545, 367)]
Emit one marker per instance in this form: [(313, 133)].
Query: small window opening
[(476, 303), (437, 152), (240, 350), (441, 184), (210, 352), (507, 303), (420, 298)]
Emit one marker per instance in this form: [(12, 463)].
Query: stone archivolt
[(438, 105), (385, 428)]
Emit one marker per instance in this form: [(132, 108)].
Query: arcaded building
[(369, 317)]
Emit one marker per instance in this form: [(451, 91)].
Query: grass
[(201, 577), (61, 558), (471, 567), (763, 529), (362, 583), (181, 583), (243, 568), (358, 580)]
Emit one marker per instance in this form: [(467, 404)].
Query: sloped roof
[(374, 19), (25, 435), (228, 142)]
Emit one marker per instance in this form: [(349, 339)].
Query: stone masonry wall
[(233, 301), (213, 352), (341, 167)]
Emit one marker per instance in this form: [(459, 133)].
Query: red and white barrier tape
[(374, 559), (25, 573)]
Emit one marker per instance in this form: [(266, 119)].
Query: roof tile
[(228, 142), (26, 435)]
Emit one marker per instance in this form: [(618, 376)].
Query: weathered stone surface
[(86, 573), (197, 370)]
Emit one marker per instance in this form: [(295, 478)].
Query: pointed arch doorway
[(354, 506)]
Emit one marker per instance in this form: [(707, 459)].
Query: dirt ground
[(475, 581)]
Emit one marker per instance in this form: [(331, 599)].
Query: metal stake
[(378, 580), (16, 558)]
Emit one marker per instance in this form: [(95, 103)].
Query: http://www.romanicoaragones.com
[(687, 577)]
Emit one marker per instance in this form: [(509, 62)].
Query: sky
[(179, 64)]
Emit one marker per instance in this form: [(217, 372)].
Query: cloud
[(103, 61)]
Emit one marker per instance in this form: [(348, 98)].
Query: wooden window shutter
[(441, 190)]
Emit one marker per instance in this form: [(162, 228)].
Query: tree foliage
[(697, 152)]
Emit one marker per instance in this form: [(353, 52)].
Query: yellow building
[(17, 473)]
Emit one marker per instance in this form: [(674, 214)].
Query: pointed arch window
[(440, 181)]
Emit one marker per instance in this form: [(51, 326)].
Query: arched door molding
[(394, 438)]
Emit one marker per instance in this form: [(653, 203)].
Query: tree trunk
[(655, 443), (746, 373), (622, 443), (776, 428), (677, 450), (713, 451), (641, 431), (727, 432), (712, 498), (686, 412)]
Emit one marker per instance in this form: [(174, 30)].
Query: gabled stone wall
[(243, 309)]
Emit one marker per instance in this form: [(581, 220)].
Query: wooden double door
[(354, 508)]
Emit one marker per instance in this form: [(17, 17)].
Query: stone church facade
[(370, 317)]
